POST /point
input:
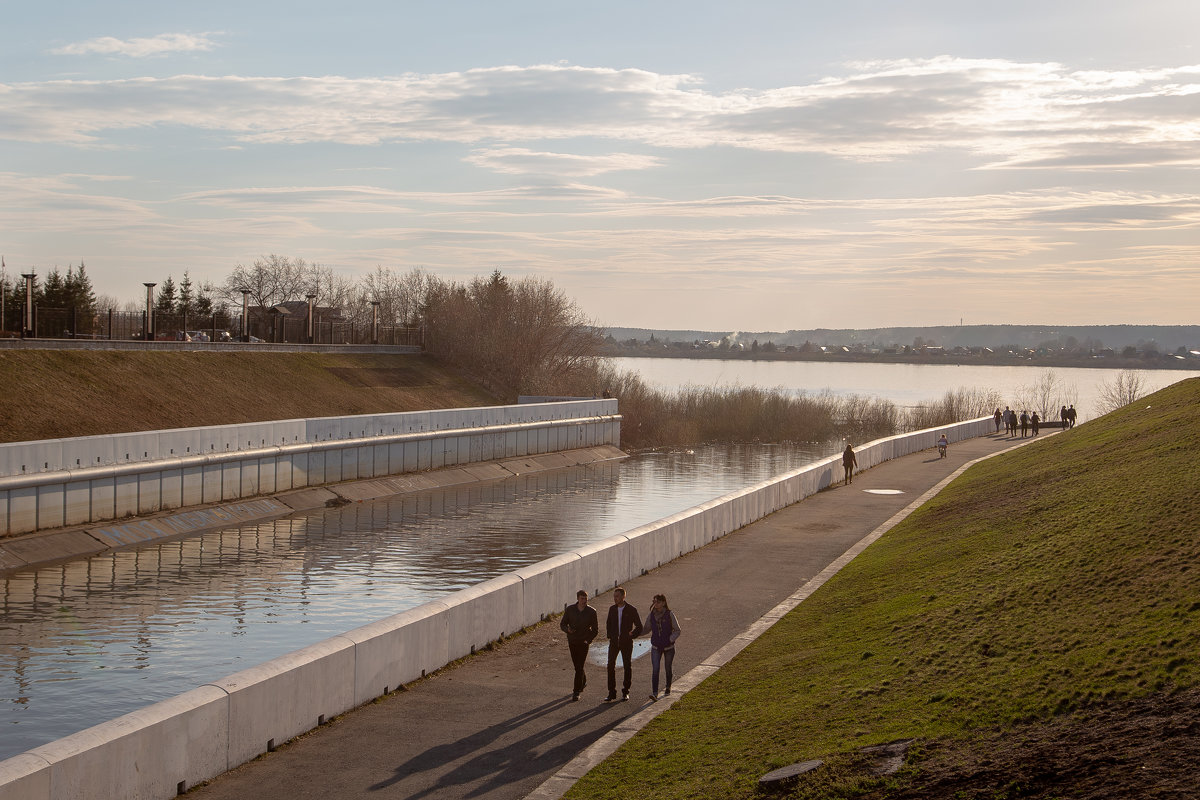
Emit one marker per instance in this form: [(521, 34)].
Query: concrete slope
[(501, 723)]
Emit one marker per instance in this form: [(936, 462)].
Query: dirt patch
[(1146, 748)]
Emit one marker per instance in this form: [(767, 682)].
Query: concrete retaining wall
[(158, 750), (63, 482)]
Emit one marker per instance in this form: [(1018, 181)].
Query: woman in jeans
[(664, 630)]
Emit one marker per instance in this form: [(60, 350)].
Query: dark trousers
[(626, 651), (579, 651)]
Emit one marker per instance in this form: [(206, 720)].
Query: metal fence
[(69, 323)]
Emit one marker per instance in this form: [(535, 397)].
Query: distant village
[(1070, 353)]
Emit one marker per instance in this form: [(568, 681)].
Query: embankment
[(53, 394)]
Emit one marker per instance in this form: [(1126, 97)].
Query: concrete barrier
[(156, 751), (53, 483)]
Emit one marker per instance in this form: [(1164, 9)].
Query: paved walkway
[(501, 723)]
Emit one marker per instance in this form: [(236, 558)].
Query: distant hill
[(1166, 337)]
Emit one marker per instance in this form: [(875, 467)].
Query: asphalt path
[(500, 723)]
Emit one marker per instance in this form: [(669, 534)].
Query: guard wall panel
[(604, 564), (28, 458), (125, 503), (149, 492), (231, 480), (399, 649), (248, 478), (510, 444), (424, 455), (144, 754), (549, 585), (411, 451), (265, 469), (483, 613), (171, 488), (380, 460), (22, 509), (293, 473), (193, 486), (286, 696), (24, 777), (315, 472), (650, 546), (103, 498)]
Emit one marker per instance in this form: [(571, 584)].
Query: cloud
[(159, 45), (522, 161), (1003, 113)]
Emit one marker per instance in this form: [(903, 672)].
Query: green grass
[(1059, 576)]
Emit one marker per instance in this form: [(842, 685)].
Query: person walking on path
[(849, 462), (1024, 423), (580, 624), (1071, 415), (1062, 416), (997, 417), (664, 630), (623, 626), (1034, 420)]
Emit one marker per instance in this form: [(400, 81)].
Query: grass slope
[(1041, 588), (48, 394)]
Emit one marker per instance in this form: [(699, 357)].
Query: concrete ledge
[(306, 499), (46, 548), (147, 753)]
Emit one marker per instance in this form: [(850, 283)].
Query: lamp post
[(245, 313), (148, 334), (27, 326), (374, 322), (311, 299)]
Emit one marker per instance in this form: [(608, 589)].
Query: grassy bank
[(49, 394), (1050, 593)]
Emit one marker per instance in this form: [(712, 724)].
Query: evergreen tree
[(187, 303), (79, 287), (53, 291), (165, 302)]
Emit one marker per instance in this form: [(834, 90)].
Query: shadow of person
[(499, 765)]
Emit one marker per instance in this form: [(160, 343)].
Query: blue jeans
[(657, 654)]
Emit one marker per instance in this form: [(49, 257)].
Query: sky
[(676, 165)]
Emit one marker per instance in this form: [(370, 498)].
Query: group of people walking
[(581, 625), (1026, 420)]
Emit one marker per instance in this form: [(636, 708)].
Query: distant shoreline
[(951, 359)]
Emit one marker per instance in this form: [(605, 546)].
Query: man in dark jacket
[(580, 624), (624, 625)]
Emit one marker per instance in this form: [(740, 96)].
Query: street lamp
[(311, 299), (148, 334), (27, 329), (245, 313), (374, 322)]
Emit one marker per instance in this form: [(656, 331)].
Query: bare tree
[(1126, 387), (1047, 395), (270, 280)]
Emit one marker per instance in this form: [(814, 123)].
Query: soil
[(1145, 748), (52, 394)]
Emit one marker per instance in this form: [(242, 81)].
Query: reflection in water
[(90, 640)]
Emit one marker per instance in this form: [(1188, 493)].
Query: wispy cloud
[(1001, 113), (141, 47), (522, 161)]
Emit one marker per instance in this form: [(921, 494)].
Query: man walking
[(624, 625), (579, 623)]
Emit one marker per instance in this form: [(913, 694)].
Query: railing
[(221, 326)]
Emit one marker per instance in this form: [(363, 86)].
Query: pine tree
[(79, 288), (53, 291), (187, 303), (165, 303)]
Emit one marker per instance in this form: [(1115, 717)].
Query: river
[(903, 384)]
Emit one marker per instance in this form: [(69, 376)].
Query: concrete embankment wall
[(169, 746), (69, 482)]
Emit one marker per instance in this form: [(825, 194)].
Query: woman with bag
[(664, 630)]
